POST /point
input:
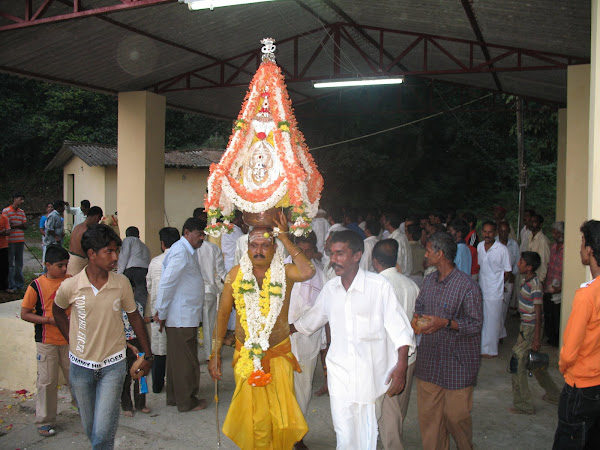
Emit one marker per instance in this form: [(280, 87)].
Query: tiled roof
[(106, 155)]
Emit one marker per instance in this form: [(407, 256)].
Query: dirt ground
[(165, 428)]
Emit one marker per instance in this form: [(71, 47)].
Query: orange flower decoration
[(259, 378), (267, 95)]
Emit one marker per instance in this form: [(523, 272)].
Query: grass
[(35, 251), (33, 233), (30, 275)]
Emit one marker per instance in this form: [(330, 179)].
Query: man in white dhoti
[(212, 266), (306, 349), (370, 341), (228, 246), (494, 270), (515, 255), (395, 408)]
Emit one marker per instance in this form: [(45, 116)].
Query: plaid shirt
[(555, 266), (450, 358)]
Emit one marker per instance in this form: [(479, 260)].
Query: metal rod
[(522, 164), (27, 246), (214, 351)]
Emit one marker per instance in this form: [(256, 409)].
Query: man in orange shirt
[(4, 232), (579, 407)]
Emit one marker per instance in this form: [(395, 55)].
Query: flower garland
[(258, 312)]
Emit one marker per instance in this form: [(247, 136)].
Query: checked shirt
[(450, 358)]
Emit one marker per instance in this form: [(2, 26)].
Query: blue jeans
[(578, 418), (15, 265), (98, 395)]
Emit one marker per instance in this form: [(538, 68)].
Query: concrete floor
[(164, 428)]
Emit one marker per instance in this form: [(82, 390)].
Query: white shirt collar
[(187, 245)]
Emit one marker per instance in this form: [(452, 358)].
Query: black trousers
[(159, 367), (3, 269), (551, 320), (139, 399), (137, 278), (578, 419)]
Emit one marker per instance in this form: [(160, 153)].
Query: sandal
[(46, 431)]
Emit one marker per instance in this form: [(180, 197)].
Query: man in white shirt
[(229, 244), (79, 213), (514, 255), (179, 307), (494, 270), (168, 236), (306, 349), (336, 217), (370, 341), (525, 233), (212, 265), (395, 408), (538, 242), (133, 263), (229, 241), (320, 226), (371, 231), (391, 222)]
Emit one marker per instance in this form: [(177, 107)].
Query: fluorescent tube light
[(211, 4), (357, 82)]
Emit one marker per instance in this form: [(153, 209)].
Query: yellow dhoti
[(267, 417)]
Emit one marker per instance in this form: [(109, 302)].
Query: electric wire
[(422, 119)]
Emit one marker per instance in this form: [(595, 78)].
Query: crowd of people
[(382, 300)]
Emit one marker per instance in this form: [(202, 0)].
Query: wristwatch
[(149, 358), (449, 325)]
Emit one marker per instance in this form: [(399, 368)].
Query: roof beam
[(360, 30), (462, 61), (479, 35), (77, 12)]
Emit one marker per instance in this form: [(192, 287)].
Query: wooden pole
[(522, 165)]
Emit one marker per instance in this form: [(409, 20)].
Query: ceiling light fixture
[(212, 4), (357, 82)]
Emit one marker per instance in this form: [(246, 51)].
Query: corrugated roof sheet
[(134, 49), (106, 155)]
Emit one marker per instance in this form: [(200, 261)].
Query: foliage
[(38, 117), (464, 159)]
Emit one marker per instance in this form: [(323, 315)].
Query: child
[(133, 346), (530, 338), (96, 335), (52, 347)]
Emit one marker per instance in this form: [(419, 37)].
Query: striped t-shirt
[(15, 218), (529, 296)]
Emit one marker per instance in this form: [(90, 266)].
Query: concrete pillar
[(594, 153), (561, 174), (141, 165), (576, 189)]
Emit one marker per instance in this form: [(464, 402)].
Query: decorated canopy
[(267, 164)]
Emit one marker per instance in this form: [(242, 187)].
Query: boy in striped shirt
[(530, 338), (52, 348)]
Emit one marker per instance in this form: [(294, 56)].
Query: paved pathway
[(494, 427)]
